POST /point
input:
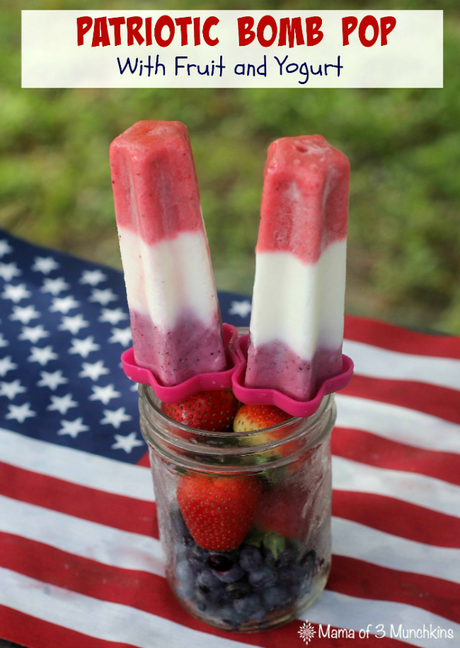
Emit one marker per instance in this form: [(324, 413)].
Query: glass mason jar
[(275, 489)]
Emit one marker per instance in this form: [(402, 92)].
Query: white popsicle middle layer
[(297, 303), (169, 277)]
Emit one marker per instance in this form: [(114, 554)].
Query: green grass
[(404, 148)]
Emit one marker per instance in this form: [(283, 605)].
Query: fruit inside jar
[(244, 515)]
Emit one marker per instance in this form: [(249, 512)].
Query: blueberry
[(225, 566), (207, 583), (203, 603), (238, 589), (300, 579), (276, 597), (301, 588), (269, 558), (308, 560), (208, 601), (179, 527), (196, 556), (197, 553), (262, 578), (221, 561), (249, 607), (307, 563), (291, 574), (250, 558), (288, 556), (230, 617), (233, 574), (185, 578)]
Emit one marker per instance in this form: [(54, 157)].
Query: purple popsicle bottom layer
[(190, 348), (275, 366)]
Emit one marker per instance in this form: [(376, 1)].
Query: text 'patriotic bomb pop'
[(296, 330), (175, 317)]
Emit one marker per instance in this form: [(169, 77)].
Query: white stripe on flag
[(409, 487), (379, 548), (344, 611), (398, 423), (100, 619), (76, 466), (82, 538), (381, 363)]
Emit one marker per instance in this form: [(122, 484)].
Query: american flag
[(80, 558)]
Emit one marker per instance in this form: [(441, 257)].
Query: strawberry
[(206, 410), (218, 510), (258, 417), (281, 512)]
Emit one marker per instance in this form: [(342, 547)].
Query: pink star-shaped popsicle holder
[(264, 396), (201, 382), (233, 378)]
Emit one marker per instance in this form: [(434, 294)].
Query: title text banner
[(232, 49)]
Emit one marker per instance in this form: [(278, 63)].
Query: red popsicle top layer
[(154, 181), (305, 197)]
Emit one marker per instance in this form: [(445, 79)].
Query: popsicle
[(172, 299), (296, 329)]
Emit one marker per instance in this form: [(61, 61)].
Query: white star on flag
[(9, 270), (115, 417), (33, 333), (52, 380), (84, 347), (45, 264), (11, 389), (92, 277), (73, 324), (24, 314), (6, 365), (54, 286), (62, 403), (20, 412), (63, 304), (93, 370), (3, 342), (5, 247), (42, 356), (73, 428), (102, 296), (113, 316), (126, 443), (104, 394), (15, 293), (123, 336), (241, 308)]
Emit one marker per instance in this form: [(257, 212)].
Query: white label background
[(413, 57)]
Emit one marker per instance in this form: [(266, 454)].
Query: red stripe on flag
[(31, 631), (144, 460), (365, 580), (395, 338), (398, 518), (375, 450), (125, 513), (429, 399)]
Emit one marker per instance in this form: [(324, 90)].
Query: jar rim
[(147, 392), (158, 432)]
